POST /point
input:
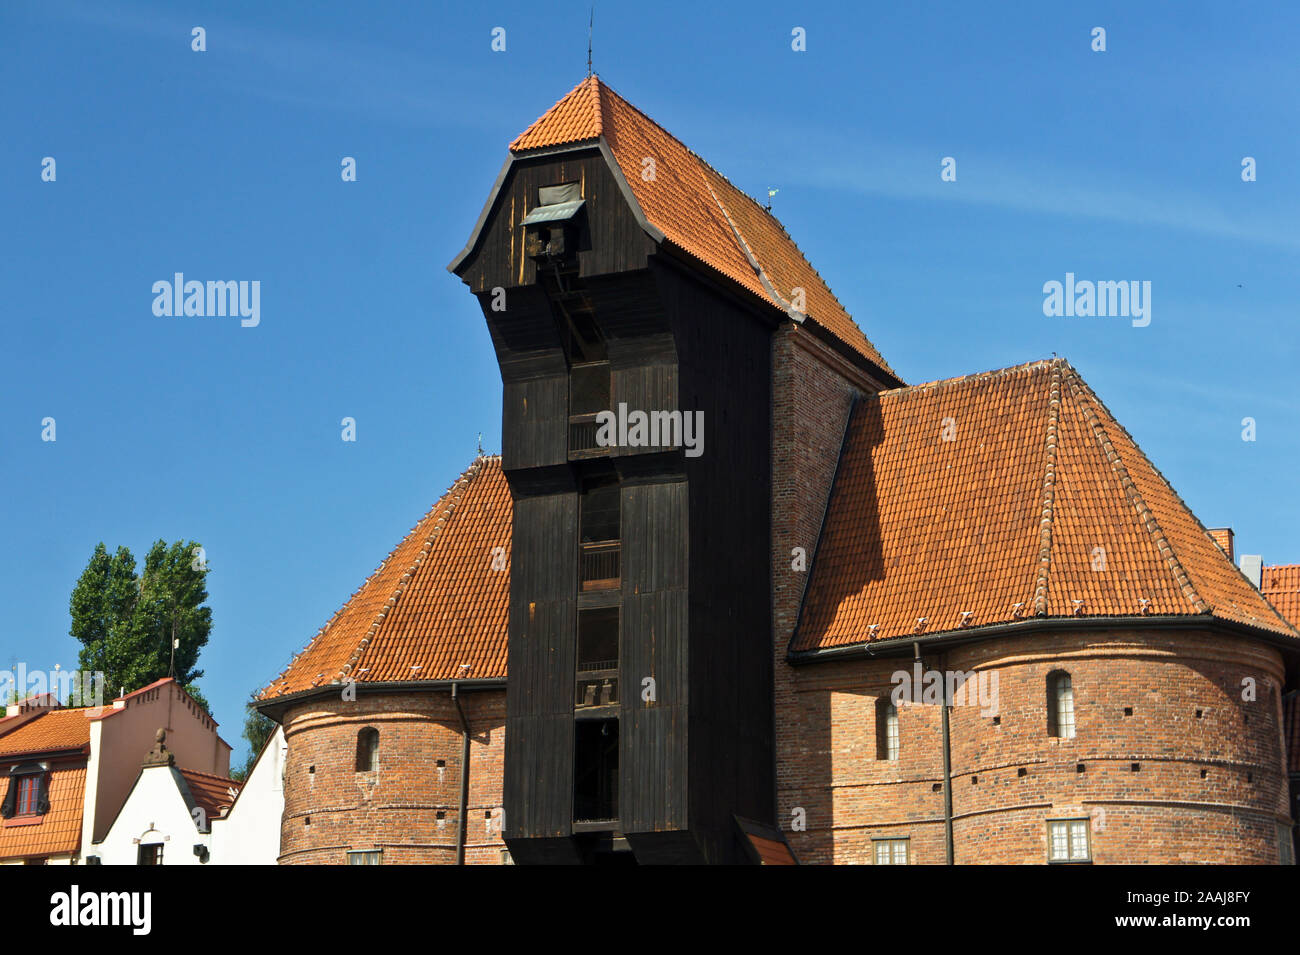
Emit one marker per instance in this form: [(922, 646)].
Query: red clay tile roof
[(1011, 511), (59, 830), (211, 793), (55, 730), (695, 207), (434, 604), (1281, 585)]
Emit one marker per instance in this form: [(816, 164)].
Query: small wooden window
[(29, 788), (891, 851), (1067, 840), (366, 857), (368, 750), (149, 853)]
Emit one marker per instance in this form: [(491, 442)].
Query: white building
[(176, 816)]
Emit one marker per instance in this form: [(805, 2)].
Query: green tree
[(137, 628)]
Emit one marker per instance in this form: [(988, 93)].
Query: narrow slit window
[(1060, 705), (368, 750)]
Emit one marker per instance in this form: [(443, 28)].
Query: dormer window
[(28, 792)]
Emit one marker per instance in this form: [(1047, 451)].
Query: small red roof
[(213, 794), (52, 731), (696, 208), (1281, 585)]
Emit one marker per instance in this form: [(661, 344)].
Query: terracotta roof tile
[(55, 730), (1281, 585), (696, 208), (434, 604), (211, 793), (59, 830), (1039, 505)]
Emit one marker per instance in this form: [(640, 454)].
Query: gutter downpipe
[(464, 776), (947, 749), (947, 769)]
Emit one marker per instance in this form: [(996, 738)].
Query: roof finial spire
[(770, 193), (590, 20), (480, 444)]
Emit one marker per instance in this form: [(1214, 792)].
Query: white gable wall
[(155, 811), (250, 833)]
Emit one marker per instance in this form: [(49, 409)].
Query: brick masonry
[(330, 808), (1207, 788)]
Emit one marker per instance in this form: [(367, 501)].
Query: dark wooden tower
[(639, 695)]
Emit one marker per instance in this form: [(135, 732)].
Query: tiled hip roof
[(1004, 496)]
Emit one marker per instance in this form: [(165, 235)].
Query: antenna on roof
[(770, 193), (590, 20)]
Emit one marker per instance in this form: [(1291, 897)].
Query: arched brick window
[(368, 750), (1060, 705)]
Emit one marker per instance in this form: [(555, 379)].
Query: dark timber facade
[(639, 705)]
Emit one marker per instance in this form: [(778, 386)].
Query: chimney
[(1223, 536), (1252, 565)]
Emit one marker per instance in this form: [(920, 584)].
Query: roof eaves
[(901, 643)]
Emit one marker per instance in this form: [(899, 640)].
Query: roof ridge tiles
[(989, 375), (1049, 493), (1145, 514)]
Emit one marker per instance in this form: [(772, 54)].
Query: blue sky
[(1122, 165)]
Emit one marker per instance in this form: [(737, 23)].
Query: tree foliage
[(126, 621)]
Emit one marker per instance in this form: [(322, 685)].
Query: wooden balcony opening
[(600, 565)]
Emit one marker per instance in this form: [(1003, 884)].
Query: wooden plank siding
[(695, 580), (611, 242)]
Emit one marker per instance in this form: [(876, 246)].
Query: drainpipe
[(464, 777), (947, 767)]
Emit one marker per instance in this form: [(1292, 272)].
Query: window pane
[(1079, 839), (891, 732), (882, 853), (1060, 840), (1065, 706), (900, 852)]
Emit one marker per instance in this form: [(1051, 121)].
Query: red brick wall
[(812, 390), (395, 808), (1165, 812)]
